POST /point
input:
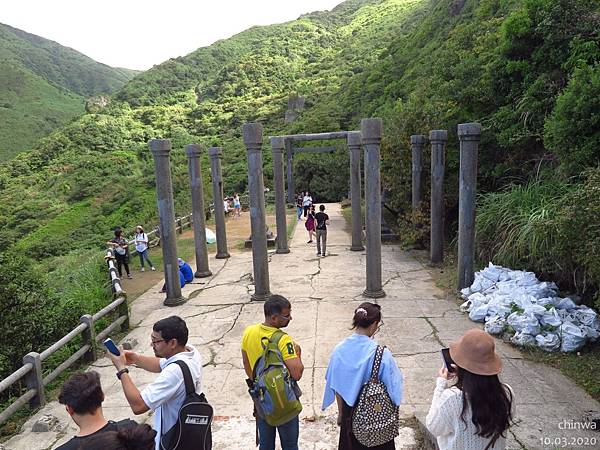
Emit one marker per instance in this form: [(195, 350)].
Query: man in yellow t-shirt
[(278, 313)]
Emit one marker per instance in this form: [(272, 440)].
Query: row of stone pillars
[(161, 149), (369, 138), (469, 135)]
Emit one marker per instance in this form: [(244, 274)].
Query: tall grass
[(516, 227)]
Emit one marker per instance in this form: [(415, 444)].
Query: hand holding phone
[(111, 347), (448, 360)]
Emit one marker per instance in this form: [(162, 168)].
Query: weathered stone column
[(289, 153), (161, 149), (193, 152), (216, 155), (252, 133), (277, 146), (469, 135), (417, 141), (371, 130), (354, 144), (438, 139)]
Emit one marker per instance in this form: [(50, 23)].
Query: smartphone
[(111, 347), (447, 359)]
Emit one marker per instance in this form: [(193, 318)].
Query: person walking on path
[(306, 202), (237, 205), (477, 410), (321, 230), (299, 205), (141, 246), (166, 394), (121, 247), (278, 314), (82, 396), (311, 224), (350, 367)]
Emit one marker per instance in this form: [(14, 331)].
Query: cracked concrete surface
[(419, 319)]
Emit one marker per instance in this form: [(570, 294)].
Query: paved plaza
[(419, 319)]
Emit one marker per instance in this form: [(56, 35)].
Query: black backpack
[(192, 429)]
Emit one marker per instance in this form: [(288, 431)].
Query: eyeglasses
[(378, 327), (288, 317), (153, 343)]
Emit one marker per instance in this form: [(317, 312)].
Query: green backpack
[(275, 393)]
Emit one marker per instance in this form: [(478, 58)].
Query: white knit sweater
[(444, 422)]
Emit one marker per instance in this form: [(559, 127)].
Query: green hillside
[(528, 70), (43, 85)]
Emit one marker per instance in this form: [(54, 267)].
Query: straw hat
[(475, 352)]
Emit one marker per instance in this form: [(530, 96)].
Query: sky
[(138, 34)]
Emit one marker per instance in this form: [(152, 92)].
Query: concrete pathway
[(419, 320)]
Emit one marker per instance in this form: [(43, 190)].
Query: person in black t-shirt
[(139, 437), (322, 222), (82, 396)]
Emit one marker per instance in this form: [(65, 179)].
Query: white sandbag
[(551, 318), (499, 306), (566, 304), (548, 342), (587, 316), (524, 322), (494, 325), (521, 339), (465, 307), (572, 337), (477, 297), (211, 237), (478, 311), (590, 333)]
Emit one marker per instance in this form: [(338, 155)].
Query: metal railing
[(32, 370)]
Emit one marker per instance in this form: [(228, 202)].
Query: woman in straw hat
[(475, 412)]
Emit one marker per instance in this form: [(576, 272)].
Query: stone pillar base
[(174, 301), (282, 251), (357, 249), (203, 274), (260, 297), (222, 255), (374, 294)]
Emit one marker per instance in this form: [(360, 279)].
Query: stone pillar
[(469, 135), (252, 133), (438, 139), (161, 149), (371, 130), (216, 155), (289, 153), (354, 147), (277, 146), (417, 141), (193, 152)]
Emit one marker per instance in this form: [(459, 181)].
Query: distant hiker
[(311, 224), (263, 344), (237, 205), (186, 270), (350, 367), (121, 248), (306, 202), (226, 206), (322, 222), (82, 396), (167, 393), (477, 410), (141, 246), (299, 205), (138, 437)]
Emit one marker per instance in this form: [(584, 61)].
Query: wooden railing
[(32, 370)]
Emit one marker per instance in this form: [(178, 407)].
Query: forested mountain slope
[(44, 85), (528, 70)]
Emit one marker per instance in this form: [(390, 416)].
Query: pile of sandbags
[(517, 304)]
